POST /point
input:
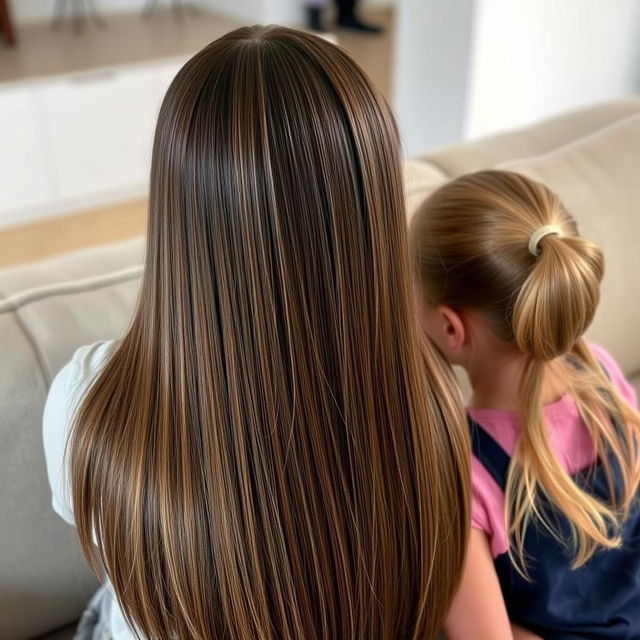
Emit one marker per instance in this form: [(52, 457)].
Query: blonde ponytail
[(559, 297), (554, 306), (472, 249), (535, 468)]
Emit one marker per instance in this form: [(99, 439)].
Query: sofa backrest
[(535, 140), (47, 310)]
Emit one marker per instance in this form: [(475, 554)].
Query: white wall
[(249, 11), (532, 59), (38, 10), (52, 128), (258, 11), (431, 71), (467, 68)]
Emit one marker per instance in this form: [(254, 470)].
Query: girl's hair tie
[(538, 234)]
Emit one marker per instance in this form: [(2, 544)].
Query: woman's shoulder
[(73, 380), (65, 393), (88, 360)]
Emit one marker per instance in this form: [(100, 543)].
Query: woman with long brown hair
[(270, 452)]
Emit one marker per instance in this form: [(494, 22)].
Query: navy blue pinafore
[(601, 599)]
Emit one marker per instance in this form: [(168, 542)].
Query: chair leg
[(6, 25), (93, 13), (59, 9), (182, 7), (179, 8), (193, 8), (149, 6), (79, 12), (79, 18)]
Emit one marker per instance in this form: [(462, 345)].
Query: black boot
[(347, 18), (314, 19), (354, 24)]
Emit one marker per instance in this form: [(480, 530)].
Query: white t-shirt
[(67, 389)]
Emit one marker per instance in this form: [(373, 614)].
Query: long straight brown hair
[(271, 453)]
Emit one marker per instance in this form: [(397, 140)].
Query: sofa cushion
[(598, 179), (531, 141), (66, 633), (420, 179), (47, 310)]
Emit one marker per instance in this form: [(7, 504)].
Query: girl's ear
[(453, 330)]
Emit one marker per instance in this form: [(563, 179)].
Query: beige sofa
[(592, 158)]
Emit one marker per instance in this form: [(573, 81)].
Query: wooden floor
[(36, 241), (124, 38), (133, 39)]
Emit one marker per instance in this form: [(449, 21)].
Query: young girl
[(506, 288)]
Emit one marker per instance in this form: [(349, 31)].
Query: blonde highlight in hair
[(271, 453), (470, 242)]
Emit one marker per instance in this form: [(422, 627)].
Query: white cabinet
[(79, 141), (164, 73), (24, 179), (100, 126)]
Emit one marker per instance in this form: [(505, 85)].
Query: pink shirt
[(569, 439)]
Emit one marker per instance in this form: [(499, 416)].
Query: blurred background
[(81, 82), (549, 88)]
